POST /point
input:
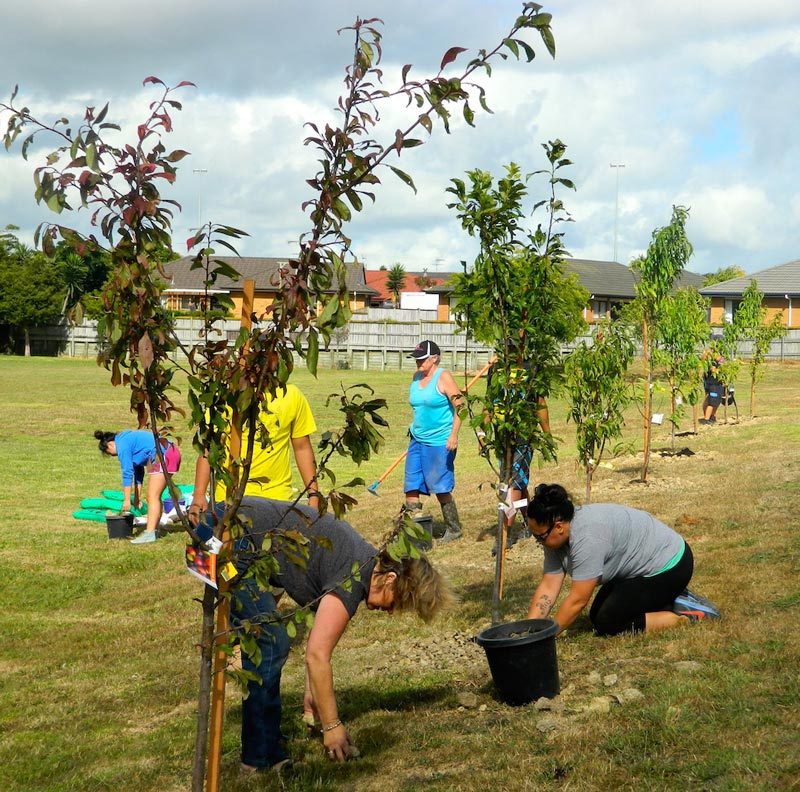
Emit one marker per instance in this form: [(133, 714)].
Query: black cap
[(425, 349)]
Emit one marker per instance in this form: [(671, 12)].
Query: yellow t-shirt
[(285, 417)]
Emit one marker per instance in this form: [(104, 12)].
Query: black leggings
[(620, 605)]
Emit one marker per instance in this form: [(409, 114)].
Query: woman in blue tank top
[(430, 464)]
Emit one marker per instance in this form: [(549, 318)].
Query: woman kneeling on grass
[(640, 564), (326, 583)]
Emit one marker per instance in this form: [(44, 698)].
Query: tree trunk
[(673, 405), (499, 564), (648, 399), (204, 693), (752, 395), (500, 557), (27, 342), (589, 475)]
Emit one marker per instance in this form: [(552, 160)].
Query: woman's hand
[(452, 442), (196, 511), (338, 745)]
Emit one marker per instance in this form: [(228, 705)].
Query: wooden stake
[(223, 606)]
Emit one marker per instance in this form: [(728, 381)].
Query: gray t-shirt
[(327, 566), (609, 541)]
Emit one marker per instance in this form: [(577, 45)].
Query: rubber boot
[(451, 522)]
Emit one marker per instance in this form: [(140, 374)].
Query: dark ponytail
[(104, 438), (550, 503)]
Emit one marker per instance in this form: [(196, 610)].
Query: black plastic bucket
[(522, 659), (120, 526), (425, 522)]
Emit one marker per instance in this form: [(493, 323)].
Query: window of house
[(731, 307)]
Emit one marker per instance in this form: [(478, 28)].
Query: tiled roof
[(603, 278), (262, 270), (780, 280)]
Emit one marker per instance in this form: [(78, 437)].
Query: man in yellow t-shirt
[(289, 424)]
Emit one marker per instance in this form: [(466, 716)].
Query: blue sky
[(697, 100)]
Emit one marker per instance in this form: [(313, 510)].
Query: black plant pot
[(522, 659), (120, 526)]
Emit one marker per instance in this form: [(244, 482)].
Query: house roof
[(262, 270), (780, 280), (376, 279), (603, 278)]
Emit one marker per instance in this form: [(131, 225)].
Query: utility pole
[(616, 208), (199, 199)]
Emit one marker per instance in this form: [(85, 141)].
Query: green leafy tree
[(518, 300), (728, 347), (666, 257), (396, 282), (120, 184), (599, 392), (682, 327), (751, 317), (31, 292), (722, 274)]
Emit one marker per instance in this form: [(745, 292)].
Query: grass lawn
[(99, 665)]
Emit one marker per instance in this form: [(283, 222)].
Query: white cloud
[(697, 100)]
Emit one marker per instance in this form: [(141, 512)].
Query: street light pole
[(199, 199), (616, 208)]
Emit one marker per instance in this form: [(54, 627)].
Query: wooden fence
[(366, 343)]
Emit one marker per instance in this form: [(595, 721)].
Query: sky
[(697, 100)]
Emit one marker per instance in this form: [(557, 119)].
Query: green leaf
[(91, 157), (54, 203), (549, 41), (340, 209), (312, 354), (469, 115), (404, 177), (512, 45)]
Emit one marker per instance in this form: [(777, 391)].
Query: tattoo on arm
[(544, 604)]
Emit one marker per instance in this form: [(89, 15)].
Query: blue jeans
[(261, 710)]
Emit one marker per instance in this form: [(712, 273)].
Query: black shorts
[(620, 605)]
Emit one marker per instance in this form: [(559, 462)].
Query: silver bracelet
[(332, 726)]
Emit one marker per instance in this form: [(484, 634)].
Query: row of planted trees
[(516, 297)]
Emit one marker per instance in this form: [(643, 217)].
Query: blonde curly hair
[(419, 586)]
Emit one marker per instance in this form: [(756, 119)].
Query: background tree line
[(38, 288)]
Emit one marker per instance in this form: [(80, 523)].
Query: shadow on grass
[(375, 739)]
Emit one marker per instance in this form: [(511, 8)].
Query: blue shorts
[(429, 469)]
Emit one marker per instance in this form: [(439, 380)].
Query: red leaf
[(451, 55), (152, 80), (398, 141), (191, 242), (185, 82), (406, 70)]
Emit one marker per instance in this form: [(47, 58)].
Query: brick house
[(185, 291), (781, 288)]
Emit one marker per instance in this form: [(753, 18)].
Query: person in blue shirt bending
[(135, 450), (430, 464)]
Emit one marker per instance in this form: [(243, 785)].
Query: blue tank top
[(433, 412)]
